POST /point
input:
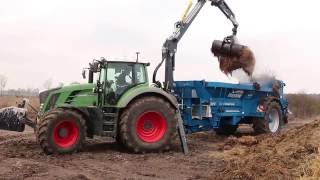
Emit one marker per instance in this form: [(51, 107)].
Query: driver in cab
[(123, 80)]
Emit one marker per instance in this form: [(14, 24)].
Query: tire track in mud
[(23, 158), (11, 138)]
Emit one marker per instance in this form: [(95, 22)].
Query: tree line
[(48, 84), (15, 92), (304, 105)]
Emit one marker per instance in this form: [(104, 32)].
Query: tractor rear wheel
[(61, 131), (272, 121), (148, 124)]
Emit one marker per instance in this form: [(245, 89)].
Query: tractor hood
[(79, 95), (78, 87)]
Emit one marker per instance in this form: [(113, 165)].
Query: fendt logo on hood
[(236, 94)]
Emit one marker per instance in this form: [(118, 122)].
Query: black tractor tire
[(272, 115), (61, 131), (226, 129), (118, 139), (149, 124)]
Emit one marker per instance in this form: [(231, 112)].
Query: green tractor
[(121, 104)]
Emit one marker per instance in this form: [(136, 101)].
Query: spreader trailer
[(146, 117), (223, 106)]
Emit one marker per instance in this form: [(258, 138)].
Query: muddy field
[(242, 156)]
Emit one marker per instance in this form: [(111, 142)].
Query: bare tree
[(3, 83), (47, 84)]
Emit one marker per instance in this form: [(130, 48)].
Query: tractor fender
[(88, 114), (82, 111), (149, 91)]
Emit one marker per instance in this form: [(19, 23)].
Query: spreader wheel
[(61, 131), (272, 121), (148, 124)]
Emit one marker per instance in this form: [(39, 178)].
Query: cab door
[(118, 79), (122, 76)]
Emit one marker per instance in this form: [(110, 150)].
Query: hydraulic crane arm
[(169, 47), (223, 6)]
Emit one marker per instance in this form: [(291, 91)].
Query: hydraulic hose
[(154, 77)]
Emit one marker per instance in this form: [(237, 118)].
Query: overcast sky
[(42, 39)]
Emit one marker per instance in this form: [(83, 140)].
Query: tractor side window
[(140, 74)]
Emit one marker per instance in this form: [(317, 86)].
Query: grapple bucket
[(233, 56), (13, 119), (221, 48)]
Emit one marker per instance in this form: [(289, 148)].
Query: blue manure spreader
[(223, 106)]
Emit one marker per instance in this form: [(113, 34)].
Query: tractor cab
[(114, 78)]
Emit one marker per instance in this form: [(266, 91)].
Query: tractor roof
[(130, 62)]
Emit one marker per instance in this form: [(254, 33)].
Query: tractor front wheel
[(148, 124), (61, 131)]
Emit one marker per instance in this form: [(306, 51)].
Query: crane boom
[(169, 47)]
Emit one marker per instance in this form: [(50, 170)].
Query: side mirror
[(94, 66), (84, 74)]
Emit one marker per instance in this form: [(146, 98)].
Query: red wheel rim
[(66, 134), (151, 126)]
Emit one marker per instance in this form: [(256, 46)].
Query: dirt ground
[(242, 156)]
